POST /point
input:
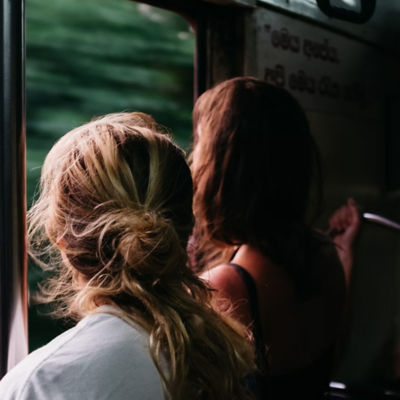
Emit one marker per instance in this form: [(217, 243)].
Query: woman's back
[(101, 357), (299, 334)]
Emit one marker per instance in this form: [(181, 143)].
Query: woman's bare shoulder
[(226, 279), (231, 291)]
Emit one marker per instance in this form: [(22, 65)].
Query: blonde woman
[(113, 217)]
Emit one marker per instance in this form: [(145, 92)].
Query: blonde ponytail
[(115, 210)]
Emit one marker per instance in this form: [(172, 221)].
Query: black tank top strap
[(255, 315)]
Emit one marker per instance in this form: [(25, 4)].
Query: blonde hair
[(116, 198)]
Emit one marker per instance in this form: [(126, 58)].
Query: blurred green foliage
[(86, 58)]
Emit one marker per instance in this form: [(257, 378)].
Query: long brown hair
[(253, 163), (116, 209)]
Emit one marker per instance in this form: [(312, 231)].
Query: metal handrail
[(382, 221)]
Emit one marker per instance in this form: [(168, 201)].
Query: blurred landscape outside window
[(86, 58)]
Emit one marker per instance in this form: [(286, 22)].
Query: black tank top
[(310, 382)]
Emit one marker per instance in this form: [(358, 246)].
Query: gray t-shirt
[(102, 357)]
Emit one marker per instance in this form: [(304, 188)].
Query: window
[(86, 58)]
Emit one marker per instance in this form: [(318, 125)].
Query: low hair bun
[(148, 243)]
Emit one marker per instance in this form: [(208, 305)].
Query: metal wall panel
[(382, 29)]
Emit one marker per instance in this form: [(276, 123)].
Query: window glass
[(86, 58)]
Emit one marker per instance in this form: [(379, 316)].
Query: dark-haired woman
[(253, 164), (113, 219)]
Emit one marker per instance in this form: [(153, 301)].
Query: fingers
[(346, 216), (340, 219), (353, 213), (345, 221)]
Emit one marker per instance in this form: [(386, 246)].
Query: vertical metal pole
[(13, 269)]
